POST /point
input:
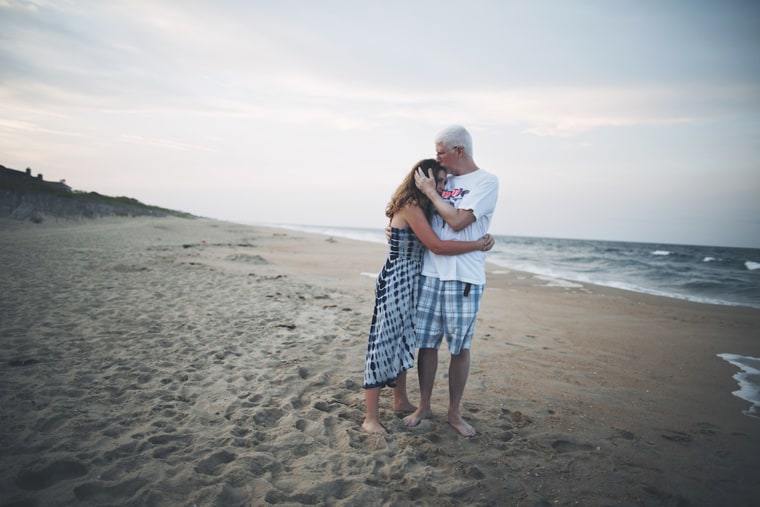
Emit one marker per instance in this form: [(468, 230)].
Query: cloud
[(164, 143), (24, 126), (160, 58)]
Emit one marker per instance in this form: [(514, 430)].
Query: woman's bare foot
[(414, 419), (373, 427), (459, 424)]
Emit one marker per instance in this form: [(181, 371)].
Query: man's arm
[(457, 219)]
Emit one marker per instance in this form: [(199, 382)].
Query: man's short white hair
[(454, 136)]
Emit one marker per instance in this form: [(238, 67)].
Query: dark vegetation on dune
[(27, 197)]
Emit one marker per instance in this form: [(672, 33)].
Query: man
[(451, 286)]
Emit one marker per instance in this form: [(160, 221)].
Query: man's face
[(445, 156)]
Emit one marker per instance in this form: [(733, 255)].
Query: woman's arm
[(418, 222)]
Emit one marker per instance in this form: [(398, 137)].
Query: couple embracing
[(432, 282)]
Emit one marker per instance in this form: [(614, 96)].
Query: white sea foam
[(748, 379), (752, 265), (660, 252), (708, 259), (558, 282)]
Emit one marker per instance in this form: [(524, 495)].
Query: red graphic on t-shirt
[(454, 195)]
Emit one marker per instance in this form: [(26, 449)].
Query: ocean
[(701, 274)]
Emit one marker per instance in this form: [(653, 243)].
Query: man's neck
[(465, 169)]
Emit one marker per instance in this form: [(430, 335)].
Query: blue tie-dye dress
[(390, 350)]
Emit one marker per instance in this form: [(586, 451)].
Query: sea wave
[(748, 379), (710, 275)]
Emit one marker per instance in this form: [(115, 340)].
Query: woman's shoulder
[(411, 207), (408, 212)]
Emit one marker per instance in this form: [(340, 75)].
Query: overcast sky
[(624, 120)]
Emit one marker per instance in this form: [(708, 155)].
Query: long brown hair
[(408, 192)]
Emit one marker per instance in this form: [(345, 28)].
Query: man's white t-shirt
[(476, 191)]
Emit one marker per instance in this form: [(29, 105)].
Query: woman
[(390, 351)]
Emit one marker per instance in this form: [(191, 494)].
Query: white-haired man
[(451, 286)]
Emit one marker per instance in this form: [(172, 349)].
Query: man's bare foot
[(373, 427), (459, 424), (403, 406), (414, 419)]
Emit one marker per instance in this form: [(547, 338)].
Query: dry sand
[(193, 362)]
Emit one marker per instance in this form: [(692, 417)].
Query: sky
[(630, 120)]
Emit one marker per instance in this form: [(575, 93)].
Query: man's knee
[(463, 355), (427, 356)]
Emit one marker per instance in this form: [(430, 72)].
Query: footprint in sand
[(57, 471), (214, 464), (103, 495), (678, 436), (563, 446)]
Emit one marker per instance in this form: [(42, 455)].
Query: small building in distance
[(26, 177)]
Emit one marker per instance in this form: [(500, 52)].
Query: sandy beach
[(168, 361)]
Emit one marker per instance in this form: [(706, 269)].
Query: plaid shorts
[(443, 309)]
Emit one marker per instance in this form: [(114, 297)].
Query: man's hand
[(424, 182), (488, 242)]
